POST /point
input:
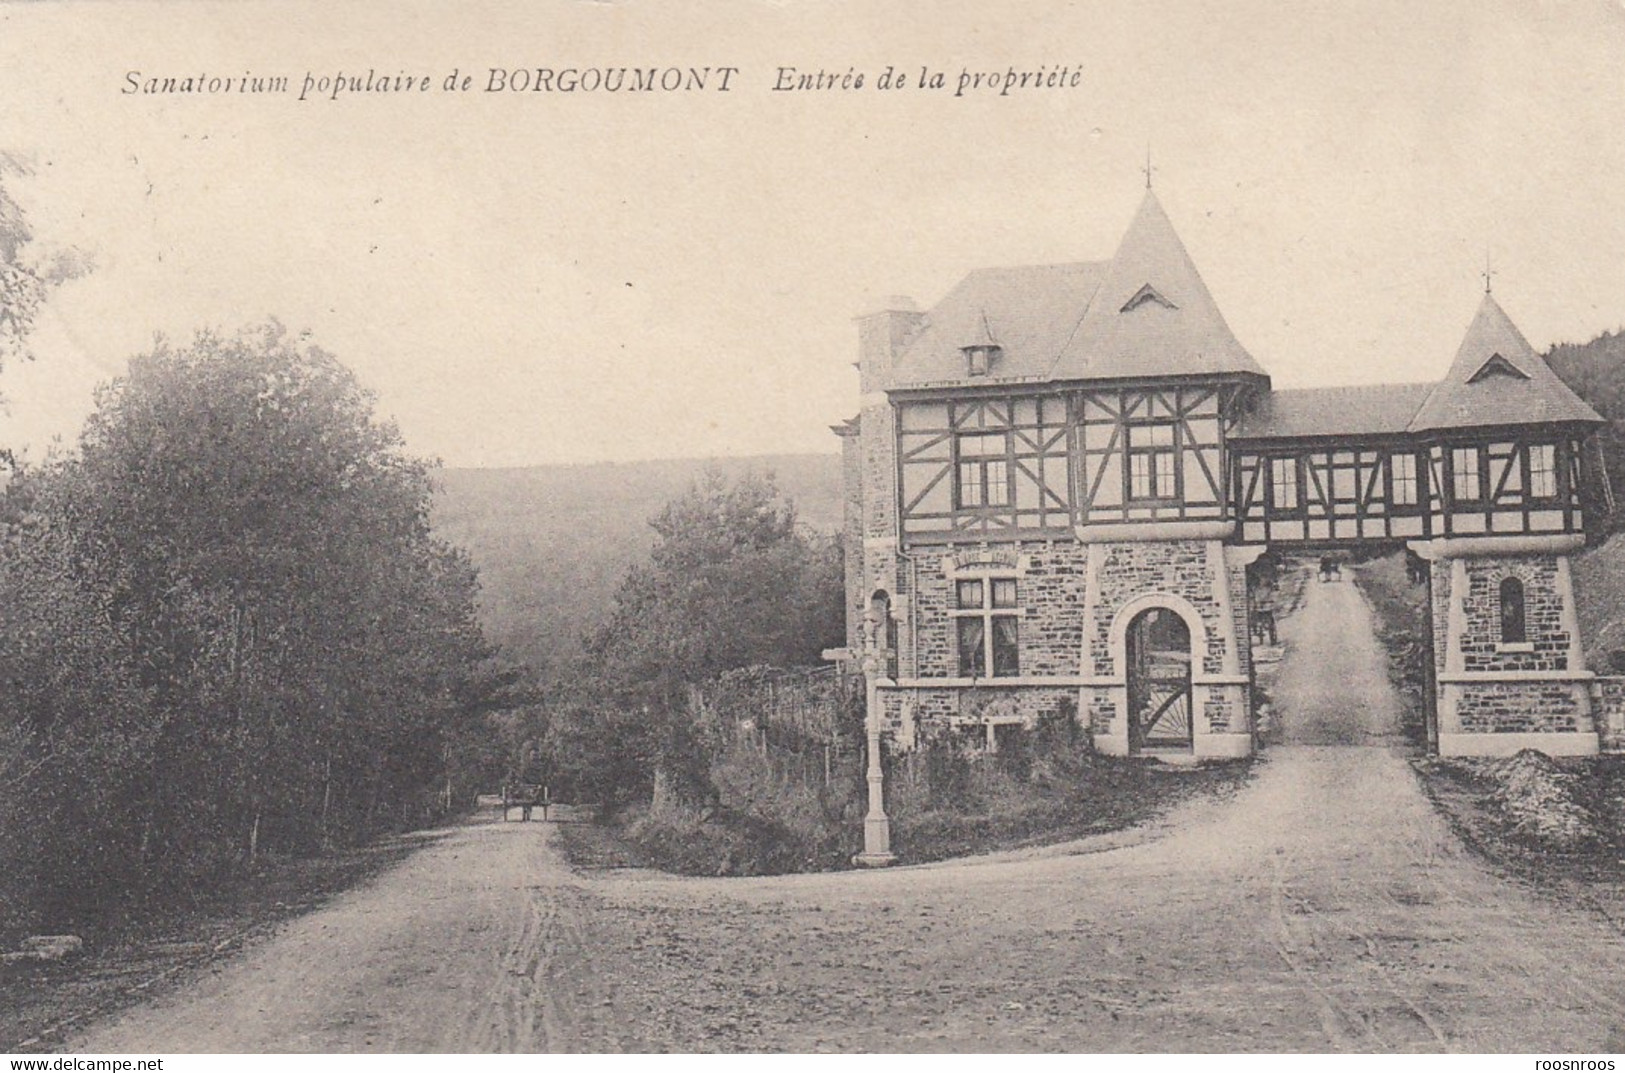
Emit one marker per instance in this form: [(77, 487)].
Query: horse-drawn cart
[(525, 797)]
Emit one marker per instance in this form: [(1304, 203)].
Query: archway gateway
[(1051, 452), (1160, 706)]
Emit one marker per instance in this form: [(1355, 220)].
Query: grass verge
[(1401, 611), (942, 804)]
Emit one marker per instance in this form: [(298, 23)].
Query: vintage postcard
[(812, 526)]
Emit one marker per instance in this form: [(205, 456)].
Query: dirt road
[(1326, 907)]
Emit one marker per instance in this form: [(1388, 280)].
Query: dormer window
[(982, 351), (1144, 295), (1497, 366), (979, 359)]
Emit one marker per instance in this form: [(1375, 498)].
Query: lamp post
[(876, 826)]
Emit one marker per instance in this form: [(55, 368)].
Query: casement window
[(1402, 482), (1513, 629), (983, 473), (1466, 482), (1284, 483), (1543, 471), (987, 621), (1153, 455)]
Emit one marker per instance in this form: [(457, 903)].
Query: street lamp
[(876, 826)]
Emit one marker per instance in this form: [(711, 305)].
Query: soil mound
[(1539, 801)]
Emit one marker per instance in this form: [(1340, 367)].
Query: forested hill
[(1596, 372), (552, 542)]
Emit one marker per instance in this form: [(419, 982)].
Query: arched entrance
[(1160, 710)]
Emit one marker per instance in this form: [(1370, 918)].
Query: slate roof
[(1147, 313), (1182, 334), (1537, 398), (1069, 321), (1029, 312), (1332, 411)]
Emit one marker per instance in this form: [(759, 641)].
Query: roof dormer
[(1146, 295), (1497, 366), (982, 351)]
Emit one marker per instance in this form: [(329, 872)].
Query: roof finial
[(1488, 272), (1148, 169)]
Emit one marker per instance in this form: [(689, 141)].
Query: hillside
[(1599, 597), (1596, 373), (552, 542)]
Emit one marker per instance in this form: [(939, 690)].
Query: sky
[(529, 278)]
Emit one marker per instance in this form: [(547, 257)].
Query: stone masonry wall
[(1051, 592), (1057, 626), (1543, 616), (1608, 708), (852, 534), (1489, 686), (1181, 568), (1240, 612), (924, 713), (1518, 707), (1439, 595)]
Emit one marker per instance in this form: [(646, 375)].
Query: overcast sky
[(551, 278)]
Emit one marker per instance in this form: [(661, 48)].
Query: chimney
[(882, 335)]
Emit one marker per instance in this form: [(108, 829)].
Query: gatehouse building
[(1060, 475)]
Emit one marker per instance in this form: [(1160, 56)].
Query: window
[(1146, 294), (984, 469), (1284, 483), (1152, 454), (1512, 620), (1497, 366), (1542, 471), (987, 621), (1464, 473), (1403, 469)]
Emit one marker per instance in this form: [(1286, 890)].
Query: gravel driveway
[(1324, 907)]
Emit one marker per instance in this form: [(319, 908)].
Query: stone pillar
[(1497, 695)]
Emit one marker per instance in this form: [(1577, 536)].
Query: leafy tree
[(260, 544), (76, 732), (27, 272), (1596, 373), (732, 581)]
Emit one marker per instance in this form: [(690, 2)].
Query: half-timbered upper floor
[(1042, 401), (1495, 448)]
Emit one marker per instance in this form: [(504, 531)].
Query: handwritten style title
[(1002, 81)]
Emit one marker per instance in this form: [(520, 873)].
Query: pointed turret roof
[(1152, 314), (1498, 379)]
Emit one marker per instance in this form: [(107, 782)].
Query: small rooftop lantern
[(982, 351)]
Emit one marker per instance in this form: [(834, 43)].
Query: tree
[(732, 581), (76, 731), (261, 544), (1593, 371), (27, 272)]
